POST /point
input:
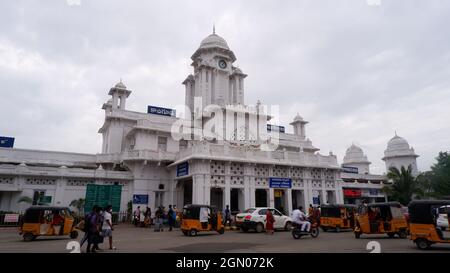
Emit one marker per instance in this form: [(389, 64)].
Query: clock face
[(222, 64)]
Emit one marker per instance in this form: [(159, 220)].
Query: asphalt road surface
[(130, 239)]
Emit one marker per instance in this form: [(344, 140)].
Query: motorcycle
[(297, 232)]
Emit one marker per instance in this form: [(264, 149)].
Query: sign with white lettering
[(183, 169), (275, 128), (347, 169), (161, 111), (279, 182)]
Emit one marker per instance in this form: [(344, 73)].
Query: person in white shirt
[(300, 218), (107, 226)]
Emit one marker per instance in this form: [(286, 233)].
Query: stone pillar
[(207, 189), (122, 102), (289, 201), (226, 195), (271, 198), (115, 101), (197, 189)]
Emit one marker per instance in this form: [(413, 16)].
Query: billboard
[(140, 199), (352, 193), (103, 195)]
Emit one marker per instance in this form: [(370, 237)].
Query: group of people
[(172, 216), (97, 225)]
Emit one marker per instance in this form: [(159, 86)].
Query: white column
[(289, 201), (207, 189), (271, 197), (115, 100), (122, 102), (227, 196), (324, 194), (197, 189)]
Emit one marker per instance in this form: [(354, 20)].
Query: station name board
[(6, 142), (275, 128), (347, 169), (279, 182), (155, 110)]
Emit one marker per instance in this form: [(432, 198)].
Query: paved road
[(131, 239)]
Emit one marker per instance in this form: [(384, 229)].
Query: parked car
[(255, 219), (442, 220)]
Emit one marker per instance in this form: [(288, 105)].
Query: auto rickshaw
[(423, 215), (337, 217), (199, 218), (380, 218), (47, 221)]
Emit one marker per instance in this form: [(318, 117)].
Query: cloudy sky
[(357, 72)]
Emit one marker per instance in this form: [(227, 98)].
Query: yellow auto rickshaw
[(47, 221), (423, 217), (380, 218), (199, 218), (337, 217)]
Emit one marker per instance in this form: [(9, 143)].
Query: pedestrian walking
[(269, 222), (171, 217), (227, 215), (93, 230), (107, 226), (137, 216)]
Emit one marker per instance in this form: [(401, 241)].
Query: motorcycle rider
[(300, 218)]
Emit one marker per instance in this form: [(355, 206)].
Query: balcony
[(254, 155)]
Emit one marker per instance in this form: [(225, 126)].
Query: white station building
[(233, 167)]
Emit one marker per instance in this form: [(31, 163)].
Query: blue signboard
[(183, 169), (346, 169), (161, 111), (6, 142), (275, 128), (373, 192), (284, 183), (316, 200), (140, 199)]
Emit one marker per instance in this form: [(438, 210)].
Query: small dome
[(237, 70), (120, 85), (214, 40), (298, 117), (355, 154), (397, 143)]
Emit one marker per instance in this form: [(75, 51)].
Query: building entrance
[(261, 198), (217, 198)]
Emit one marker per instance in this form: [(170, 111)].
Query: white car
[(442, 221), (255, 218)]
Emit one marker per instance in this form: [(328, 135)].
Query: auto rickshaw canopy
[(335, 210), (34, 213), (193, 211), (420, 211)]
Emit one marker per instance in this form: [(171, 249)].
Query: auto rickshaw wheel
[(422, 243), (259, 228), (337, 229), (192, 232), (391, 234), (73, 234), (357, 235), (28, 237), (222, 230), (244, 229), (185, 233), (324, 229), (402, 234)]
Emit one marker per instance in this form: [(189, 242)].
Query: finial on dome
[(214, 28), (395, 132)]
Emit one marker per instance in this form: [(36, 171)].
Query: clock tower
[(215, 80)]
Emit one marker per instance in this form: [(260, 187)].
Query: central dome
[(355, 154), (214, 40)]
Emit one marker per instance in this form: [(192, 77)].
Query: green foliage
[(404, 185), (441, 175)]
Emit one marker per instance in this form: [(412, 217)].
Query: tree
[(425, 185), (404, 185), (25, 199), (78, 204), (441, 175)]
